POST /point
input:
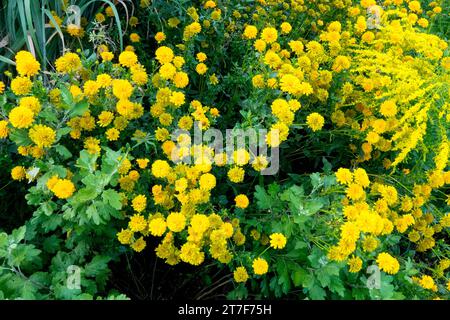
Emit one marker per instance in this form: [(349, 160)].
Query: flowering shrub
[(353, 96)]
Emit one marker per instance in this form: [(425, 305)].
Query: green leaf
[(63, 151), (113, 198), (299, 276), (84, 195), (98, 265), (49, 115), (263, 200), (51, 244), (317, 293), (323, 277), (79, 109), (93, 215), (63, 131), (66, 96), (20, 137), (48, 207), (19, 234), (3, 239), (337, 286), (87, 161), (311, 207)]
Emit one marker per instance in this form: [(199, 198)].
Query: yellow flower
[(180, 79), (201, 57), (160, 37), (104, 80), (69, 62), (139, 245), (4, 131), (354, 264), (260, 266), (31, 103), (387, 263), (260, 163), (63, 188), (137, 223), (26, 64), (105, 118), (341, 63), (236, 174), (201, 68), (427, 282), (290, 84), (142, 163), (167, 71), (91, 88), (260, 45), (157, 227), (18, 173), (125, 236), (355, 191), (21, 117), (315, 121), (176, 222), (361, 177), (139, 203), (122, 89), (286, 27), (207, 181), (75, 30), (388, 108), (160, 169), (164, 54), (250, 32), (42, 135), (240, 274), (134, 37), (177, 98), (21, 86), (269, 35), (107, 56), (241, 201), (100, 17), (344, 176), (190, 253), (277, 241), (128, 59)]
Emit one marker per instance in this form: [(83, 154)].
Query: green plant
[(32, 24)]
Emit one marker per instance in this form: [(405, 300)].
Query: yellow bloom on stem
[(241, 201), (315, 121), (42, 135), (176, 222), (387, 263), (139, 203), (21, 117), (63, 188), (18, 173), (26, 64), (128, 59), (137, 223), (125, 236), (354, 264), (260, 266), (21, 86), (240, 274), (157, 227), (277, 241)]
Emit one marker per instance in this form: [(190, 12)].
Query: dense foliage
[(102, 143)]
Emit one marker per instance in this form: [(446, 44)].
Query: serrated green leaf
[(113, 198)]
